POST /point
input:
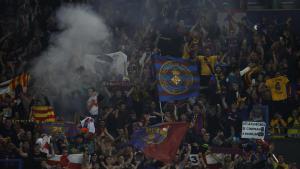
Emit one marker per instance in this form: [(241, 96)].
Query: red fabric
[(167, 149), (70, 165), (74, 166), (84, 130), (47, 146), (64, 161)]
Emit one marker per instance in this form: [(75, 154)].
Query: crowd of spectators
[(269, 91)]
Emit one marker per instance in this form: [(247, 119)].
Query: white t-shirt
[(93, 105)]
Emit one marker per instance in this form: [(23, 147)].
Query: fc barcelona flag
[(177, 78), (160, 141)]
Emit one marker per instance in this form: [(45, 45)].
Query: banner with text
[(253, 130)]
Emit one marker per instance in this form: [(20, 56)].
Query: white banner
[(194, 159), (114, 63), (253, 130), (119, 64)]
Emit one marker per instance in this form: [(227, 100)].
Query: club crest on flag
[(177, 78), (160, 141), (155, 135), (172, 77)]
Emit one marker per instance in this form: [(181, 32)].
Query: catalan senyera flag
[(42, 114), (10, 85), (177, 78), (160, 141)]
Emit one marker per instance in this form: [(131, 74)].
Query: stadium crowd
[(248, 73)]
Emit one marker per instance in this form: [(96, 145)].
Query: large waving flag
[(177, 78), (43, 114), (160, 141), (71, 161), (10, 85)]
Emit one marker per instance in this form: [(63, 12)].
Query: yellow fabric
[(212, 60), (9, 86), (185, 54), (278, 122), (43, 113), (277, 126), (50, 113), (283, 165), (277, 86), (293, 131), (19, 80)]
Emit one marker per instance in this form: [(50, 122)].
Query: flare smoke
[(66, 66)]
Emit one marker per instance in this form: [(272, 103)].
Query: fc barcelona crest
[(175, 78), (155, 135)]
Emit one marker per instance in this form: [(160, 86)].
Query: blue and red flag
[(160, 141), (177, 78)]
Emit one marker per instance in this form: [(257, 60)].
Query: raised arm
[(109, 135), (129, 92), (107, 92)]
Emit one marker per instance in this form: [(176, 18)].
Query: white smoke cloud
[(65, 66)]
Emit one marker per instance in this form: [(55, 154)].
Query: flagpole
[(162, 117)]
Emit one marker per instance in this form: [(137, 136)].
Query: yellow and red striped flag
[(22, 80), (10, 85), (43, 114)]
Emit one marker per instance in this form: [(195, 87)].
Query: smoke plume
[(67, 66)]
